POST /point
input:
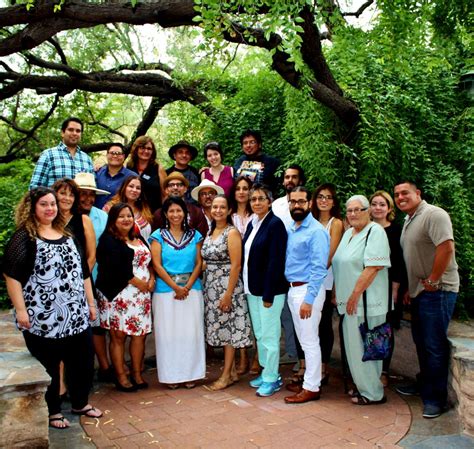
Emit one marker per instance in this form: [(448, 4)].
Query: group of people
[(210, 258)]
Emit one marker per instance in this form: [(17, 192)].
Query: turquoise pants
[(267, 330)]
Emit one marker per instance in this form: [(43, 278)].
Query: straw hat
[(175, 175), (206, 184), (86, 181)]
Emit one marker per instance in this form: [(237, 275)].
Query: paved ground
[(236, 417)]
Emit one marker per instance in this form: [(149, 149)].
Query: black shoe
[(408, 390), (124, 389), (141, 386)]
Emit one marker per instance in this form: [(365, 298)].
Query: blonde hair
[(25, 212), (386, 196)]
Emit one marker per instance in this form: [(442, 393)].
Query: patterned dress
[(130, 310), (222, 328)]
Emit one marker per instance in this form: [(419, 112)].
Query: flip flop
[(58, 419), (86, 412), (362, 400)]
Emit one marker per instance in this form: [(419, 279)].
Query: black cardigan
[(114, 264)]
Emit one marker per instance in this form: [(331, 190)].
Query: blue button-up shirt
[(56, 163), (110, 183), (307, 254)]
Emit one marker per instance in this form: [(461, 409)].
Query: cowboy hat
[(206, 184), (183, 144), (86, 181)]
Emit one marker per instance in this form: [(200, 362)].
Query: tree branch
[(361, 9)]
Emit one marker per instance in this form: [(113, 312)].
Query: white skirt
[(179, 337)]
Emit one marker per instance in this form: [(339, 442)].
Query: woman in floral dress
[(124, 282), (226, 314)]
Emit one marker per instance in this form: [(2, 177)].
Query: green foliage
[(14, 180)]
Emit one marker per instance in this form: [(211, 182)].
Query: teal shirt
[(348, 263), (177, 258)]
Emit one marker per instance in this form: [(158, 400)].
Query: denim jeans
[(431, 312)]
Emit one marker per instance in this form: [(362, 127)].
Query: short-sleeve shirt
[(427, 228), (352, 255), (56, 163), (177, 257)]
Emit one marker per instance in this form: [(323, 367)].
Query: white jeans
[(307, 331)]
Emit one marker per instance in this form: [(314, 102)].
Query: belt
[(297, 284)]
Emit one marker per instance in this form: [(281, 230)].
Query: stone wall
[(23, 382)]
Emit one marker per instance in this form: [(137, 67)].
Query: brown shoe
[(294, 387), (303, 396)]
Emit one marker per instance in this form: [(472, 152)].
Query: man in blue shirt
[(307, 255), (111, 176), (64, 160)]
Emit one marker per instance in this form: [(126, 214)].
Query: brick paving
[(237, 418)]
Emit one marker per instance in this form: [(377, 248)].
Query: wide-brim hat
[(175, 175), (86, 181), (181, 144), (206, 184)]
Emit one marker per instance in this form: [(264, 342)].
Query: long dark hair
[(232, 202), (72, 186), (336, 207), (25, 216), (111, 226), (228, 218), (141, 203), (167, 204)]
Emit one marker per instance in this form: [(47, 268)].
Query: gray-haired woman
[(361, 264)]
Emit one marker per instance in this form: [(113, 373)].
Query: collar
[(304, 224), (63, 147)]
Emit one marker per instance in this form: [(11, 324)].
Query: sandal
[(297, 378), (190, 385), (362, 400), (58, 419), (172, 386), (221, 383), (90, 412)]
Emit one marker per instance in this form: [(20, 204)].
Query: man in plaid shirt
[(64, 160)]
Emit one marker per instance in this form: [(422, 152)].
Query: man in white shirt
[(292, 177)]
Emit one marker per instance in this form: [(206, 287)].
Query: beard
[(289, 187), (299, 214)]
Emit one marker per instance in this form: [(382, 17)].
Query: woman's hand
[(267, 305), (141, 285), (23, 319), (225, 304), (351, 306), (181, 292), (92, 312), (151, 284)]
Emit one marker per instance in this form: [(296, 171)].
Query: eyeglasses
[(260, 199), (356, 211), (115, 153), (146, 148), (324, 197), (301, 203), (207, 193), (175, 184)]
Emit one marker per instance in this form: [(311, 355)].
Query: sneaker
[(257, 382), (432, 411), (408, 390), (269, 388)]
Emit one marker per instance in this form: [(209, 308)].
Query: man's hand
[(305, 310)]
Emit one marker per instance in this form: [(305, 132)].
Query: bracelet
[(434, 284)]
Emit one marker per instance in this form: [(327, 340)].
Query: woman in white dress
[(178, 305)]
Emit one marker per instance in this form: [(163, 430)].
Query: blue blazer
[(266, 263)]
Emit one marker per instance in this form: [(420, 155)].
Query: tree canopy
[(360, 104)]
